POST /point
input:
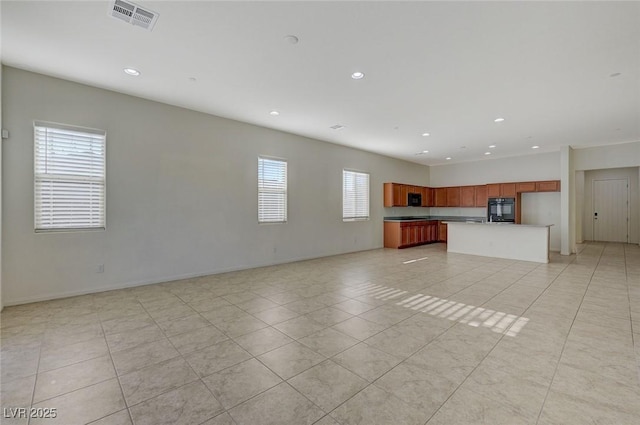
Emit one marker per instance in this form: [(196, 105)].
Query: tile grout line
[(126, 405), (433, 339), (35, 381), (499, 339), (568, 333), (199, 378), (269, 326), (633, 339)]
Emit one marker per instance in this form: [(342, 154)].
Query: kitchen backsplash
[(406, 211), (435, 211), (458, 212)]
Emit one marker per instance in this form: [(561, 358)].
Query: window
[(69, 171), (355, 196), (272, 190)]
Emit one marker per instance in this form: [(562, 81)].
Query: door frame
[(593, 205)]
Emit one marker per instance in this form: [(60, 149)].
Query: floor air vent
[(133, 14)]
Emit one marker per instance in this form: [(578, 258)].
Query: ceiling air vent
[(337, 127), (133, 14)]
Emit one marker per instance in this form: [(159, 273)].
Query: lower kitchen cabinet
[(442, 232), (398, 234)]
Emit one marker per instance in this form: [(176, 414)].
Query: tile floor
[(414, 336)]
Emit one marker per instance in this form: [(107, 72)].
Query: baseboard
[(133, 284)]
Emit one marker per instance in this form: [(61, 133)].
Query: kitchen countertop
[(504, 224), (434, 218)]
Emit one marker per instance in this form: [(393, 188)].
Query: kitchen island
[(525, 242)]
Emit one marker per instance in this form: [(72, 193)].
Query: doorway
[(611, 210)]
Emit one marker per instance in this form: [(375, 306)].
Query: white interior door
[(610, 210)]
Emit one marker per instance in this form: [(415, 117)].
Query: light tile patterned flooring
[(366, 338)]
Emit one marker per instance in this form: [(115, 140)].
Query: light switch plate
[(5, 134)]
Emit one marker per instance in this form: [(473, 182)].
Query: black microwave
[(414, 200)]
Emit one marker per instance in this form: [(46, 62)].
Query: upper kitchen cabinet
[(501, 190), (548, 186), (427, 197), (453, 196), (526, 187), (493, 190), (481, 196), (508, 190), (440, 197), (468, 196), (395, 195)]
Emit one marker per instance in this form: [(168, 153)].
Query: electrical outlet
[(100, 268)]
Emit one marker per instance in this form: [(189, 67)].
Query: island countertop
[(497, 224)]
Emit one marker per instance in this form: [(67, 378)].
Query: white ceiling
[(447, 68)]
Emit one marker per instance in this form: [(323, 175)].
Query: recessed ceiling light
[(498, 120), (425, 151), (274, 113), (615, 74), (291, 39), (448, 158), (192, 79), (492, 146), (131, 71), (357, 75), (425, 134), (535, 147), (337, 127), (487, 153)]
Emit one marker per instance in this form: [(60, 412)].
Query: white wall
[(543, 166), (579, 182), (181, 194), (535, 210), (629, 173), (610, 156), (624, 155)]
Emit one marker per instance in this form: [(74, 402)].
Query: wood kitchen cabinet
[(387, 194), (501, 190), (507, 190), (442, 232), (427, 197), (403, 234), (468, 196), (481, 196), (548, 186), (440, 195), (453, 196), (526, 187), (493, 190), (395, 195), (404, 192)]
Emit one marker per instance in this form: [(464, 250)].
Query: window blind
[(272, 190), (355, 195), (69, 171)]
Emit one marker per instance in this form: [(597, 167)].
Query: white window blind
[(355, 195), (272, 190), (69, 171)]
